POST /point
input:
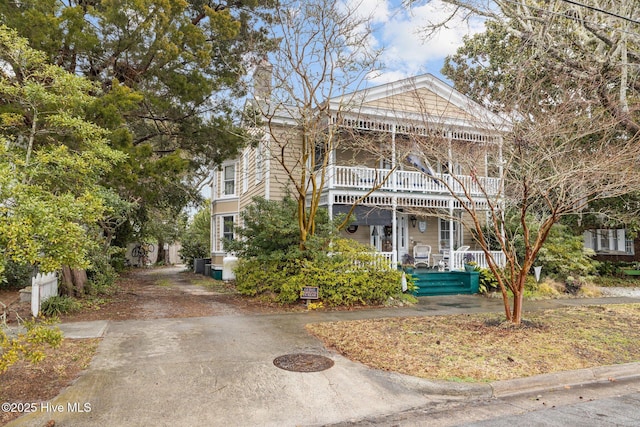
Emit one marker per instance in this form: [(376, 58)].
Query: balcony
[(363, 178)]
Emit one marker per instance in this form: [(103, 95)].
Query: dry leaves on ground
[(25, 382), (480, 347)]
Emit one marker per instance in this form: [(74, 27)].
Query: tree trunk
[(73, 281), (162, 254), (516, 317)]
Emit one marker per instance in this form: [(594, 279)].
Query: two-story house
[(405, 198)]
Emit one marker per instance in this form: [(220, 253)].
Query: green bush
[(563, 254), (487, 281), (196, 239), (58, 305), (118, 258), (270, 228), (101, 275), (28, 346), (273, 266), (346, 276), (16, 275)]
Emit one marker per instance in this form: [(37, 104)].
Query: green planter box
[(431, 282), (216, 272)]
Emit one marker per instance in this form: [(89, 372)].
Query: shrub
[(196, 239), (101, 275), (118, 258), (563, 254), (28, 345), (15, 275), (547, 290), (272, 265), (487, 281), (58, 305), (346, 276)]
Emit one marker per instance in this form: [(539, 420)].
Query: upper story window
[(229, 178)]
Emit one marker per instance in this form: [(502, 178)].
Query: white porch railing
[(459, 258), (386, 259), (380, 260), (358, 177)]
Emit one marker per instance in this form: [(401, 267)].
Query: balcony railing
[(357, 177)]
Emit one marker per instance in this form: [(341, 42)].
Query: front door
[(402, 234)]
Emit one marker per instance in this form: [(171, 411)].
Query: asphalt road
[(602, 404)]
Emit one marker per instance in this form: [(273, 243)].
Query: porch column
[(394, 236), (331, 170), (451, 235), (393, 160), (450, 154), (393, 146)]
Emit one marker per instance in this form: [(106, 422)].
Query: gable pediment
[(422, 98), (422, 102)]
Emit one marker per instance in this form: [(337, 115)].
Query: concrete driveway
[(219, 371)]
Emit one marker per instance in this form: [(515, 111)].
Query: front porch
[(389, 205), (457, 260)]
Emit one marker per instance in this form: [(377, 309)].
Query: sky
[(400, 32)]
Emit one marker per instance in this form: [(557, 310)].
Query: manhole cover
[(301, 362)]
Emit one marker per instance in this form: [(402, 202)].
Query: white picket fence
[(43, 286)]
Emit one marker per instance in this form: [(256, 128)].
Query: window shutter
[(588, 239), (621, 240)]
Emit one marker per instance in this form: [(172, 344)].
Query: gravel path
[(620, 292)]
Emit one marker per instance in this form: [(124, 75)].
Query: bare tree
[(585, 42), (566, 73), (559, 157), (325, 55)]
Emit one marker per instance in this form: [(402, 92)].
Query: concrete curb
[(565, 379), (81, 330), (528, 385), (438, 387)]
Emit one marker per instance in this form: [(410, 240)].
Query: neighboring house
[(611, 244), (393, 217)]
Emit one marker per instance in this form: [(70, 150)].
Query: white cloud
[(377, 10), (402, 35)]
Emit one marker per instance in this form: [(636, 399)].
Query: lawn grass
[(481, 347)]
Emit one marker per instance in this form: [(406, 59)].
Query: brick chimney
[(262, 84)]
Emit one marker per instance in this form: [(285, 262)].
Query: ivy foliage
[(273, 266)]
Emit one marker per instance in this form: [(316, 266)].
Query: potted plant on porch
[(469, 262)]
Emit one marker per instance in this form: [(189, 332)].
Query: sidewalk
[(219, 371)]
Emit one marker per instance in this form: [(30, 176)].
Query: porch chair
[(445, 254), (421, 255)]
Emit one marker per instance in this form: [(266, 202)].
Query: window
[(227, 228), (229, 180), (609, 241), (444, 234)]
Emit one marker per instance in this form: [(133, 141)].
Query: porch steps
[(431, 282)]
